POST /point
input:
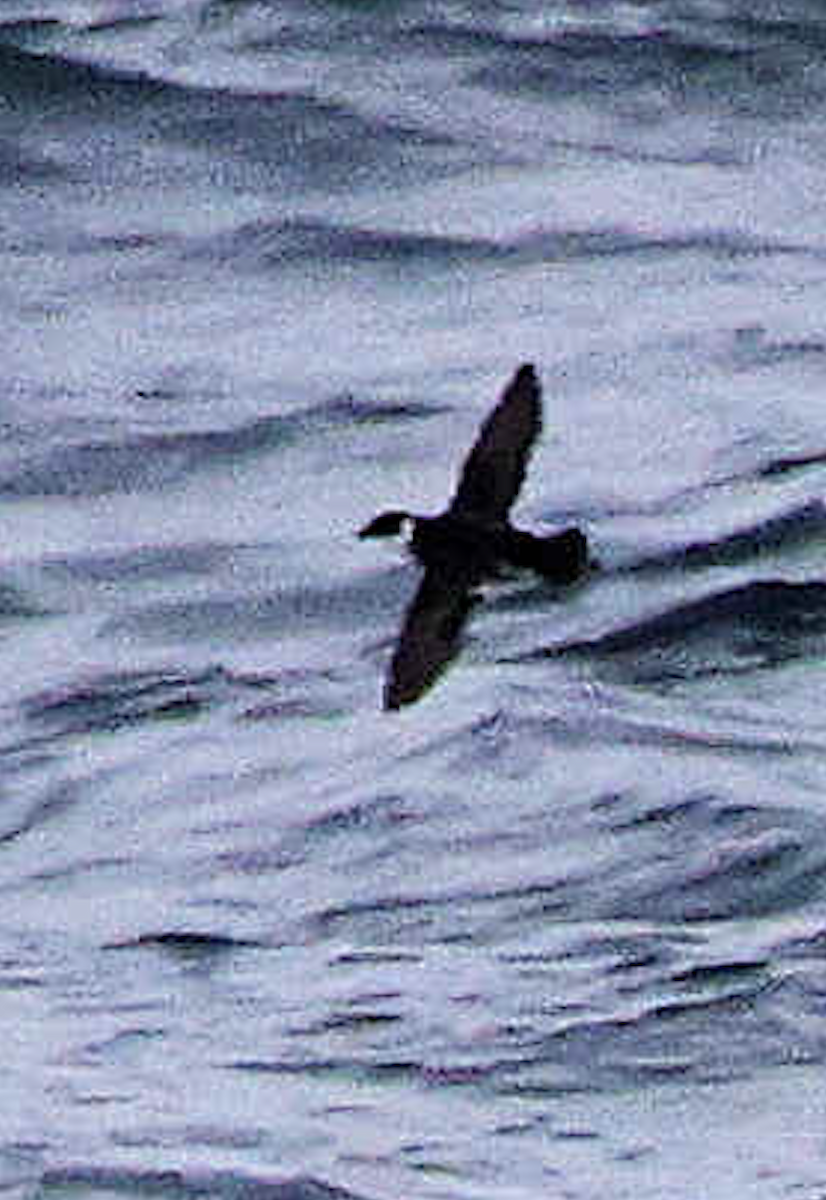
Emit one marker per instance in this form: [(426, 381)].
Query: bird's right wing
[(429, 638)]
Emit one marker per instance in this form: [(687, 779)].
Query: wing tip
[(525, 386)]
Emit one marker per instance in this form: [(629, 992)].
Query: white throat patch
[(406, 530)]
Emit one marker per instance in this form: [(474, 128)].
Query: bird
[(473, 541)]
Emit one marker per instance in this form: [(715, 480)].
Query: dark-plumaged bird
[(472, 541)]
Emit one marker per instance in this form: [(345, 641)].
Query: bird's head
[(389, 524)]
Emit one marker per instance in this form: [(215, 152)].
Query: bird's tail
[(560, 558)]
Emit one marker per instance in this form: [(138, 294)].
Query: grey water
[(559, 929)]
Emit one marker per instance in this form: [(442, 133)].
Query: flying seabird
[(472, 541)]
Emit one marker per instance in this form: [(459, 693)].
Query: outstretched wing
[(493, 471), (429, 638)]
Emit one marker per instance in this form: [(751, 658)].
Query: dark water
[(559, 928)]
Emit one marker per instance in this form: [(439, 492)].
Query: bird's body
[(440, 543), (473, 540)]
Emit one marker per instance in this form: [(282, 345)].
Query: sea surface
[(558, 929)]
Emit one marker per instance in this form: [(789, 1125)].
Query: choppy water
[(558, 929)]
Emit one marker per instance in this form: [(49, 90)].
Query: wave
[(263, 245), (752, 626), (116, 700), (748, 65), (45, 81), (156, 461), (799, 525), (289, 137), (701, 857), (743, 61), (181, 1183)]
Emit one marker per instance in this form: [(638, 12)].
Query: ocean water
[(559, 929)]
